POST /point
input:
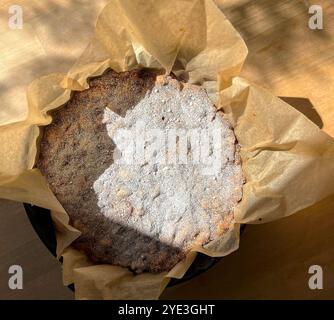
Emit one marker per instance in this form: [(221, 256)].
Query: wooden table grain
[(286, 57)]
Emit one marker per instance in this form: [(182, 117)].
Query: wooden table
[(286, 57)]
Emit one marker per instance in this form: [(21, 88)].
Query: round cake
[(145, 166)]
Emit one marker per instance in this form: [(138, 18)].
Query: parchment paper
[(287, 161)]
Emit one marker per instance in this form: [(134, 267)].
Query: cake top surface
[(173, 176), (163, 177)]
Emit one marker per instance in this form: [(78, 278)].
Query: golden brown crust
[(76, 149)]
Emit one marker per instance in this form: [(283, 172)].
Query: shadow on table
[(306, 107), (277, 34)]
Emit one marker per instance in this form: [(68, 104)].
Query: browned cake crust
[(76, 150)]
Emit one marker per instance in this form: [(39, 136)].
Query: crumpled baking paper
[(288, 161)]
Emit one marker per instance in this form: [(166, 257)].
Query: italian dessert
[(145, 166)]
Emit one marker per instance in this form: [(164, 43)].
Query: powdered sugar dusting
[(175, 203)]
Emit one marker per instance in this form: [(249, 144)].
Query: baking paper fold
[(288, 162)]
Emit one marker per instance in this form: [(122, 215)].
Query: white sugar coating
[(180, 204)]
